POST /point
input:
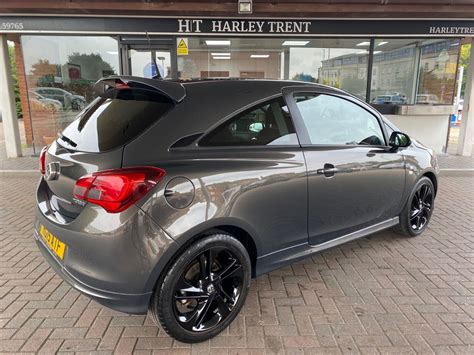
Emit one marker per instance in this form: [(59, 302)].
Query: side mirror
[(399, 139)]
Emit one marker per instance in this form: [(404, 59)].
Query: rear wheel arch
[(239, 233), (243, 237)]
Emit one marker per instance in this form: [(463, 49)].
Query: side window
[(332, 120), (266, 124)]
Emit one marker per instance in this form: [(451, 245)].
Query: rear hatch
[(95, 140)]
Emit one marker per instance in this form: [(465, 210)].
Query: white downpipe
[(7, 102)]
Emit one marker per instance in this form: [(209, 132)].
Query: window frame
[(248, 108), (300, 125)]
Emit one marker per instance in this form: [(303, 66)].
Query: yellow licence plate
[(54, 243)]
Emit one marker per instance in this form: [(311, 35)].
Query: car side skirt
[(279, 258)]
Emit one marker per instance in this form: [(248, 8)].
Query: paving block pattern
[(381, 294)]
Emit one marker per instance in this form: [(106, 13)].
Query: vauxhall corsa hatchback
[(168, 197)]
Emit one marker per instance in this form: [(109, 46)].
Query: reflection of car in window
[(67, 99), (427, 99), (402, 95), (388, 99), (46, 102)]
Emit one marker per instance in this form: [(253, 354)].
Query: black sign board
[(236, 27)]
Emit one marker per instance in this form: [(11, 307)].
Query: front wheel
[(418, 210), (204, 289)]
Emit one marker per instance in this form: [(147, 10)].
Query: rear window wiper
[(67, 140)]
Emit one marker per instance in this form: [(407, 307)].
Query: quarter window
[(267, 124), (333, 120)]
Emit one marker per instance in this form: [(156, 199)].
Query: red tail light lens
[(42, 160), (116, 190), (121, 85)]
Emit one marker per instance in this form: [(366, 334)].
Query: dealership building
[(401, 56)]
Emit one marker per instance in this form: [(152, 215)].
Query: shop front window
[(438, 65), (60, 73), (414, 71), (340, 63), (395, 60)]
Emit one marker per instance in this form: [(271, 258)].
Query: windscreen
[(114, 119)]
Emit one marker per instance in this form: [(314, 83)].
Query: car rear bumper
[(128, 303), (115, 259)]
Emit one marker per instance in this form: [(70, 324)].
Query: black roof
[(173, 90), (178, 90), (207, 104)]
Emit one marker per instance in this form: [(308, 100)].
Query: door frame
[(145, 43)]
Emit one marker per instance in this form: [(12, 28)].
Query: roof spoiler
[(172, 90)]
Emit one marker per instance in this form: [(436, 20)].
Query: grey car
[(167, 197), (67, 99)]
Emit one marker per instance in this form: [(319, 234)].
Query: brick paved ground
[(449, 161), (24, 163), (384, 293)]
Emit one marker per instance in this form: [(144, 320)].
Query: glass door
[(140, 55), (142, 64)]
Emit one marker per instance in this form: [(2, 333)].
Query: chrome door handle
[(328, 171)]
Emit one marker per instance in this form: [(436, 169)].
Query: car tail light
[(116, 190), (42, 160), (121, 85)]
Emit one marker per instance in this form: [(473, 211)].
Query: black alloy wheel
[(418, 209), (208, 289), (204, 289)]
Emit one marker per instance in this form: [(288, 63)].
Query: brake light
[(116, 190), (121, 85), (42, 160)]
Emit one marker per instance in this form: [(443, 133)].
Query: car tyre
[(203, 290), (418, 209)]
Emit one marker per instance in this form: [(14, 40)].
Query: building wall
[(295, 8), (20, 67), (429, 130)]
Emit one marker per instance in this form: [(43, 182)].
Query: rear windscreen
[(114, 119)]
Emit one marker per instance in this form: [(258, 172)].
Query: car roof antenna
[(153, 57)]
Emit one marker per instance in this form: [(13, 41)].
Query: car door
[(261, 174), (354, 179)]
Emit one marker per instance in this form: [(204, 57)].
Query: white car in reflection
[(49, 103), (427, 99), (67, 99)]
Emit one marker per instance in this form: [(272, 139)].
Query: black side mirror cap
[(399, 140)]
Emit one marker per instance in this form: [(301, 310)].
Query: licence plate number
[(52, 242)]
